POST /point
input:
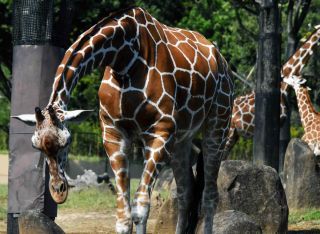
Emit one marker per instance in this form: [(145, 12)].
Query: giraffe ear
[(76, 115), (29, 119)]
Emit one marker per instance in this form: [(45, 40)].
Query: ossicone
[(39, 115)]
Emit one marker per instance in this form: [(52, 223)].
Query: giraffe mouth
[(58, 184)]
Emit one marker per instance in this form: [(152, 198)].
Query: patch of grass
[(86, 158), (304, 215), (3, 201), (94, 199)]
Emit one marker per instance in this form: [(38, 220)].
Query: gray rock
[(301, 176), (256, 191), (35, 222), (232, 222)]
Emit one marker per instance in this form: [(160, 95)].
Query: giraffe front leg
[(157, 148), (116, 148)]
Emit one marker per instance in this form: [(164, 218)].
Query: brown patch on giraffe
[(210, 86), (169, 84), (109, 98), (189, 35), (306, 45), (187, 50), (118, 38), (171, 37), (165, 63), (140, 17), (166, 105), (181, 97), (180, 59), (122, 58), (160, 31), (147, 120), (138, 70), (195, 103), (287, 70), (154, 88), (130, 102), (182, 78), (184, 119), (198, 85), (153, 33), (179, 36), (148, 50)]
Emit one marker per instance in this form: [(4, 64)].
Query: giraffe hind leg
[(182, 170)]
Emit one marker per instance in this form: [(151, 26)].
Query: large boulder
[(232, 222), (301, 176), (256, 191), (35, 222)]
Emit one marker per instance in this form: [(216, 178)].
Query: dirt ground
[(3, 169), (104, 222)]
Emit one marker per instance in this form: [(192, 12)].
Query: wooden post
[(267, 103)]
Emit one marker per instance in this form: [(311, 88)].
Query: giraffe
[(242, 121), (310, 118), (161, 86)]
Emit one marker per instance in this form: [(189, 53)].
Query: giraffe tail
[(197, 192)]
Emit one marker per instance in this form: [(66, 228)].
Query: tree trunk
[(267, 104)]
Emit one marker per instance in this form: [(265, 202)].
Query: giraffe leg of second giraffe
[(181, 166)]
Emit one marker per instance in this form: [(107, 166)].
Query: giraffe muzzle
[(58, 189)]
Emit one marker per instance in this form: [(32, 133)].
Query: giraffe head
[(53, 138), (294, 81)]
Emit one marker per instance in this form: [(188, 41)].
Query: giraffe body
[(310, 118), (242, 122), (160, 87)]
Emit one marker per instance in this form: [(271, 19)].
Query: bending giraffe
[(310, 118), (242, 122), (161, 86)]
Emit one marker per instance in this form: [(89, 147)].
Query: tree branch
[(303, 9)]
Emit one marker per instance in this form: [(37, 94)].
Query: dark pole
[(267, 103)]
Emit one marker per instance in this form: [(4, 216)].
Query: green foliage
[(243, 150)]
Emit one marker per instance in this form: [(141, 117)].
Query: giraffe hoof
[(58, 190)]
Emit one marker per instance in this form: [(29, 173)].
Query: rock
[(35, 222), (256, 191), (164, 180), (168, 215), (301, 176), (232, 222)]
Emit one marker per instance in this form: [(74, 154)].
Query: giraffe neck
[(294, 66), (299, 59), (306, 109), (111, 42)]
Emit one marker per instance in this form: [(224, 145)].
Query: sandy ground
[(3, 169), (104, 222)]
